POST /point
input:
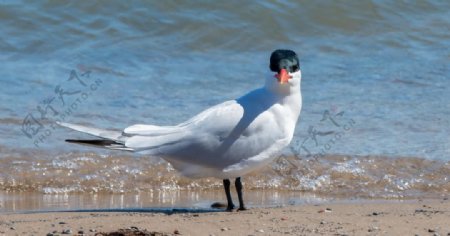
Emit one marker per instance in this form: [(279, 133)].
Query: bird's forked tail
[(108, 138)]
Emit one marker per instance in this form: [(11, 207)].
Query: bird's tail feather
[(101, 133), (103, 143), (109, 139)]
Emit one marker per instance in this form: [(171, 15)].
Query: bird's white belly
[(241, 158), (200, 171)]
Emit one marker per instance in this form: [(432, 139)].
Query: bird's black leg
[(239, 192), (226, 185)]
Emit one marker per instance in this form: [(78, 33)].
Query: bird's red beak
[(283, 76)]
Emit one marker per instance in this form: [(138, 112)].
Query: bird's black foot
[(239, 192), (230, 205), (230, 208)]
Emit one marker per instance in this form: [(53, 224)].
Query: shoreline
[(354, 217), (34, 202)]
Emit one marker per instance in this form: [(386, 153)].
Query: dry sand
[(417, 217)]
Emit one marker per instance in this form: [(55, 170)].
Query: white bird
[(227, 140)]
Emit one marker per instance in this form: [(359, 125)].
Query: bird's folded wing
[(150, 130), (215, 117), (213, 122), (218, 119)]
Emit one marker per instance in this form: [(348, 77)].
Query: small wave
[(333, 176)]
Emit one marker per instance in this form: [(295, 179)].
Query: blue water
[(375, 73)]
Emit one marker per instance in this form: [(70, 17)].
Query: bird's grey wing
[(150, 130), (201, 132)]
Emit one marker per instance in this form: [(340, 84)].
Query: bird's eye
[(295, 68)]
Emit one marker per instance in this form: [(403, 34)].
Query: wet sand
[(414, 217)]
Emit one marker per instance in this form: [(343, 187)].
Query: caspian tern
[(225, 141)]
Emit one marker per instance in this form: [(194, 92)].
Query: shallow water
[(154, 201), (332, 176), (375, 119)]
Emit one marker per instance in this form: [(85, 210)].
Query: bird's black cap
[(284, 59)]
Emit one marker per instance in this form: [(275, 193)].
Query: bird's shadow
[(162, 210)]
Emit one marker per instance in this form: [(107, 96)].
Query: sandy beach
[(412, 217)]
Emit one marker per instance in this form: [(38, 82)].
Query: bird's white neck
[(292, 87), (287, 94)]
